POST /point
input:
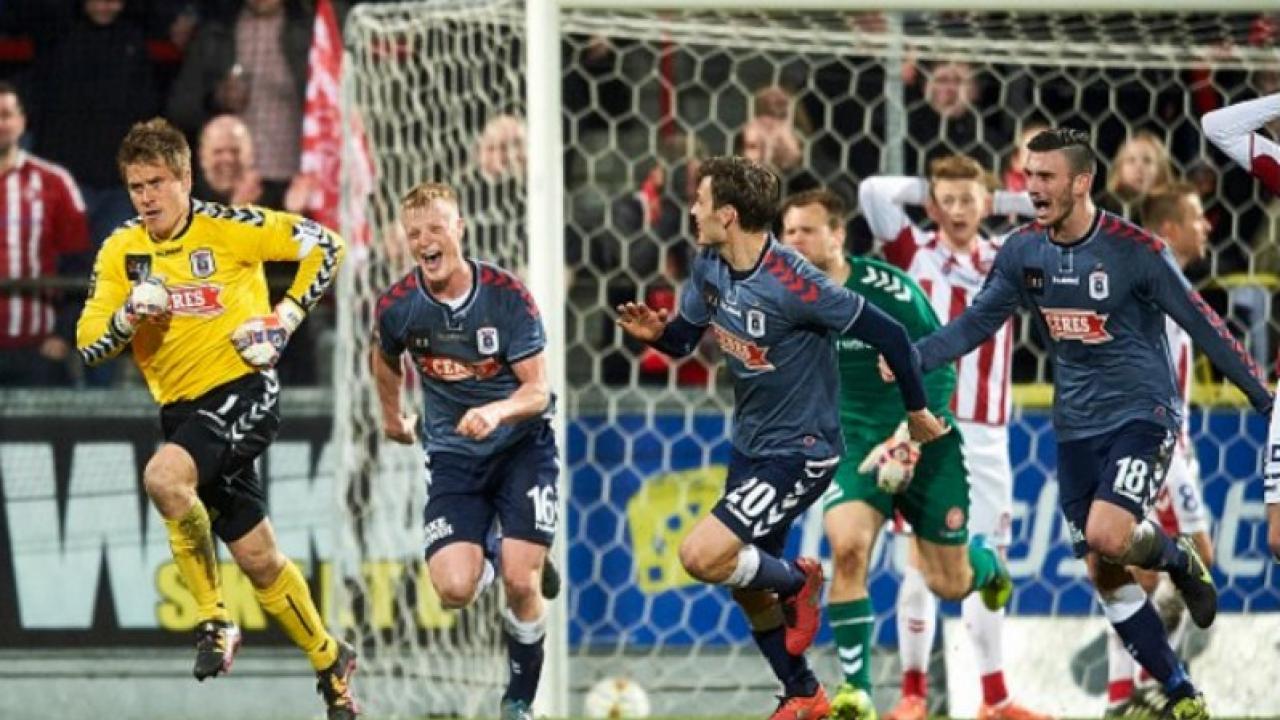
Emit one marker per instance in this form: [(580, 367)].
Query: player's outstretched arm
[(1173, 294), (676, 336), (991, 307), (1232, 128), (529, 400), (396, 425), (876, 328)]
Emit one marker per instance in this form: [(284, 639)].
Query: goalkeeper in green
[(883, 471)]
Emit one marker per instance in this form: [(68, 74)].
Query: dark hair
[(752, 189), (1073, 143), (831, 202), (1164, 204), (8, 88), (155, 142)]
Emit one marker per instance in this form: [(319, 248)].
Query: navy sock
[(780, 576), (525, 662), (1168, 556), (1144, 637), (793, 670)]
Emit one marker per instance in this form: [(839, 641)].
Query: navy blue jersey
[(465, 355), (1100, 304), (777, 325)]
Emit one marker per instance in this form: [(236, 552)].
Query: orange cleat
[(1009, 710), (803, 611), (814, 707), (910, 707)]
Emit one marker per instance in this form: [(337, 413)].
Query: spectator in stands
[(44, 234), (775, 136), (252, 64), (228, 174), (1141, 165), (501, 149), (1013, 178), (943, 118), (88, 89)]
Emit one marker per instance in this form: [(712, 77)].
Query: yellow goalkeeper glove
[(260, 340), (893, 462)]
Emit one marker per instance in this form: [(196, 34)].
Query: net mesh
[(828, 99)]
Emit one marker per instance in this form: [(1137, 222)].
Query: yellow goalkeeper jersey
[(213, 271)]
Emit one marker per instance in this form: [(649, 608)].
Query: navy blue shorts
[(1124, 467), (518, 484), (763, 496)]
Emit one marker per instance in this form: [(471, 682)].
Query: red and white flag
[(322, 138)]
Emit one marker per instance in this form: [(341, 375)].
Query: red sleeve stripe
[(795, 284), (397, 291), (503, 279), (1221, 328)]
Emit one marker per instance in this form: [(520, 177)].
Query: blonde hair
[(155, 142), (959, 167), (1164, 165), (422, 194)]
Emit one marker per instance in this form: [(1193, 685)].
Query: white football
[(616, 697), (150, 297)]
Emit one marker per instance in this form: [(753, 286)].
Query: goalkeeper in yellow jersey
[(183, 284)]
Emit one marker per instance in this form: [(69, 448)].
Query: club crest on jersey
[(202, 262), (755, 323), (419, 342), (1099, 286), (487, 340), (751, 354), (1087, 326), (137, 267)]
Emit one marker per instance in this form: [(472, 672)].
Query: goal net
[(829, 98)]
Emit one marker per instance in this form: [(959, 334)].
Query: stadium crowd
[(232, 75)]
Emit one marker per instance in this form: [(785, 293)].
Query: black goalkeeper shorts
[(225, 430)]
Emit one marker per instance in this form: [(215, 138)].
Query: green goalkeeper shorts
[(935, 503)]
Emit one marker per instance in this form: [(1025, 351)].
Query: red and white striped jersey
[(1180, 353), (41, 218), (951, 281)]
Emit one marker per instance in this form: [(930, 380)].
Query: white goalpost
[(570, 129)]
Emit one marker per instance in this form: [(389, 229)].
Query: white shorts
[(986, 456), (1179, 506)]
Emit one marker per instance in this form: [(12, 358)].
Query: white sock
[(986, 630), (487, 575), (917, 620)]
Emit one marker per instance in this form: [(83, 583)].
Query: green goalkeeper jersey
[(869, 408)]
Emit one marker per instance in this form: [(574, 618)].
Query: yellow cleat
[(1190, 708), (851, 703)]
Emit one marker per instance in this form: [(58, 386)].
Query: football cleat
[(997, 591), (910, 707), (1187, 708), (1009, 710), (802, 611), (799, 707), (334, 685), (1195, 583), (216, 646), (852, 703), (515, 710)]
